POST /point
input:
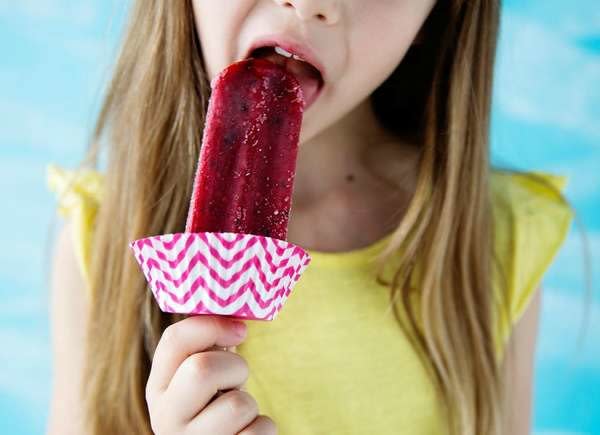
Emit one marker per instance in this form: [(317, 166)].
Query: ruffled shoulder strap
[(79, 193), (531, 222)]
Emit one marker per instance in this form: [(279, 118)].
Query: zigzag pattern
[(239, 275)]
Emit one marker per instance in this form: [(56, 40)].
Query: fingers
[(262, 425), (194, 386), (199, 377), (184, 338), (228, 414)]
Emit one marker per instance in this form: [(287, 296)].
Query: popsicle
[(245, 174), (229, 261)]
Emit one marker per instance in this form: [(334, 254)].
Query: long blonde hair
[(152, 118)]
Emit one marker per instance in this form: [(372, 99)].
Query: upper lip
[(289, 44)]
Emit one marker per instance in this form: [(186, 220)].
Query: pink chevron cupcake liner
[(242, 276)]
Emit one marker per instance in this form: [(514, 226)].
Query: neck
[(326, 161)]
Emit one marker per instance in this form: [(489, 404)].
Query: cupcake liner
[(243, 276)]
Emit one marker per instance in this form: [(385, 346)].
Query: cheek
[(382, 35), (218, 24), (378, 36)]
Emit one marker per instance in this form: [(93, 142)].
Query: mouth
[(307, 74)]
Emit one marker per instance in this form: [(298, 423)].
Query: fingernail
[(239, 328)]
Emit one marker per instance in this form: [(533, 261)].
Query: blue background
[(56, 57)]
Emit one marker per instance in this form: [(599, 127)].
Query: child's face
[(358, 43)]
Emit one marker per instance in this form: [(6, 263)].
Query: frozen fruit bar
[(245, 175)]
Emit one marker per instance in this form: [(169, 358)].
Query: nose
[(326, 11)]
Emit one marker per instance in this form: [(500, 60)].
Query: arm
[(68, 325), (519, 368)]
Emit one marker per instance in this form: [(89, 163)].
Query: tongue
[(306, 75)]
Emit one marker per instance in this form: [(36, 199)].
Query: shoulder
[(528, 193), (72, 186), (529, 210), (530, 206), (78, 193), (531, 222)]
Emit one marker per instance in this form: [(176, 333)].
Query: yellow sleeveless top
[(335, 360)]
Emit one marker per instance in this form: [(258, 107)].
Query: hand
[(186, 375)]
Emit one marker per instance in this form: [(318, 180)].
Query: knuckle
[(199, 365), (243, 365), (262, 425), (171, 335), (270, 428), (242, 403)]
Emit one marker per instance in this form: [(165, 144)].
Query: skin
[(346, 161), (519, 365), (340, 136)]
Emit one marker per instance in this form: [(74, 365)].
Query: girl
[(393, 166)]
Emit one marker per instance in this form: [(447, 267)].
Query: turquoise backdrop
[(55, 57)]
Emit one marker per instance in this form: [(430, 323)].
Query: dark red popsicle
[(245, 175)]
